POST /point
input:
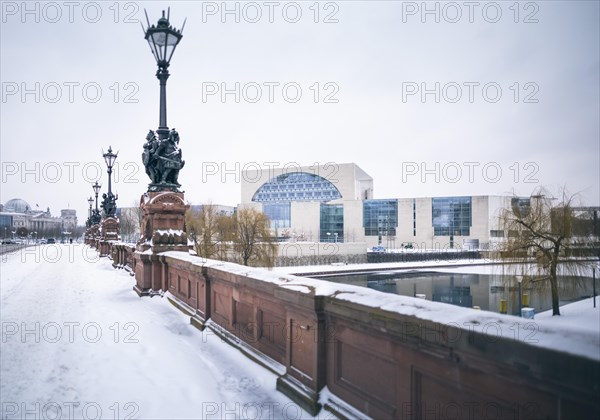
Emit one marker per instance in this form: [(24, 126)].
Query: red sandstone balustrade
[(382, 363), (122, 255)]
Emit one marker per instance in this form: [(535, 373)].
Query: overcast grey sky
[(511, 100)]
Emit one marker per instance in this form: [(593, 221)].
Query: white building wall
[(425, 237), (480, 228), (305, 219), (404, 232), (353, 221)]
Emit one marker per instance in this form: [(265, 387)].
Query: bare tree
[(253, 241), (225, 229), (541, 239), (202, 230), (126, 225), (130, 221)]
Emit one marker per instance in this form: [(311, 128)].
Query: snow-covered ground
[(77, 342), (472, 266), (577, 315), (374, 267)]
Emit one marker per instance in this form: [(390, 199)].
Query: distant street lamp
[(336, 236), (109, 203), (163, 40), (90, 202), (328, 236), (520, 281), (96, 216), (594, 284)]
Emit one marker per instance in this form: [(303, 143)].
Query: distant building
[(334, 203), (219, 208), (17, 213), (69, 217)]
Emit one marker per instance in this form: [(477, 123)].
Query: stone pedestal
[(163, 229), (92, 235), (109, 232)]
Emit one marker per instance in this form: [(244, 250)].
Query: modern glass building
[(332, 202), (332, 223), (451, 216), (380, 217), (279, 214)]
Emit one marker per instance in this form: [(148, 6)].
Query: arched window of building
[(297, 186), (277, 194)]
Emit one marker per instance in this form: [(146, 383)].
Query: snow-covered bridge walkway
[(77, 342)]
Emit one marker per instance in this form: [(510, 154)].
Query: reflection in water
[(468, 290)]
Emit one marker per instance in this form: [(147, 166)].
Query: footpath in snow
[(77, 342)]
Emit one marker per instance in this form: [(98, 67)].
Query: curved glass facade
[(277, 194), (297, 186)]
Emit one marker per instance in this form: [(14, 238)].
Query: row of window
[(332, 223), (297, 186), (279, 214), (451, 216), (380, 217), (295, 196)]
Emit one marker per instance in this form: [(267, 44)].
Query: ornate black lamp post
[(96, 215), (162, 156), (109, 200), (163, 205), (163, 40)]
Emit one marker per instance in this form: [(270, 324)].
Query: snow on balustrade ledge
[(169, 231), (556, 336)]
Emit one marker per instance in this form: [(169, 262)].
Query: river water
[(468, 289)]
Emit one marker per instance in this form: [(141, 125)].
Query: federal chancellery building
[(334, 203)]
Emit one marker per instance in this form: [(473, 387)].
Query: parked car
[(7, 241), (378, 249), (43, 241), (51, 241)]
